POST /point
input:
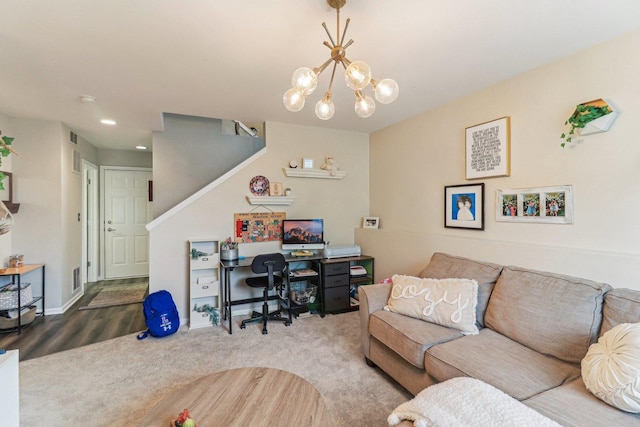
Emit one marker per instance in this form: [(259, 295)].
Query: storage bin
[(27, 317), (9, 296), (303, 295)]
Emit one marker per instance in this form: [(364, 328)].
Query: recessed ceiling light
[(108, 122), (87, 99), (141, 147)]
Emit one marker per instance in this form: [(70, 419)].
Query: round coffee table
[(244, 397)]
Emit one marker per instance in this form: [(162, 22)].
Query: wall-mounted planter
[(581, 121), (601, 124)]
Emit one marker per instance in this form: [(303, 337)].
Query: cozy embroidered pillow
[(611, 368), (447, 302)]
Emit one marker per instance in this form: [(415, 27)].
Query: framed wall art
[(553, 205), (464, 206), (488, 149), (371, 222)]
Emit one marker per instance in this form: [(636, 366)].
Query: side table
[(16, 274)]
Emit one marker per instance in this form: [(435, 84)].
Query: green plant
[(583, 114)]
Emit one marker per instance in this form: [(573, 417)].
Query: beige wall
[(341, 203), (5, 239), (412, 161)]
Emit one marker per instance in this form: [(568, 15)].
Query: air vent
[(76, 279), (73, 138)]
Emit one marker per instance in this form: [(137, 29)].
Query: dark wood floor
[(76, 328)]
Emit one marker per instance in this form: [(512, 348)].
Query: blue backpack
[(160, 315)]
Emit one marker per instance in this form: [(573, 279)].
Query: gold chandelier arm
[(324, 24), (338, 22), (321, 68), (333, 73), (344, 33), (349, 43), (327, 44)]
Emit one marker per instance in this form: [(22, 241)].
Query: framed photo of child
[(464, 206)]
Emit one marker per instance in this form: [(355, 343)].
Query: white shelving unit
[(313, 173), (204, 280)]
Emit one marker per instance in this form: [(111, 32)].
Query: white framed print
[(551, 205), (370, 222), (488, 149)]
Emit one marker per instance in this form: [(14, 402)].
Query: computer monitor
[(301, 234)]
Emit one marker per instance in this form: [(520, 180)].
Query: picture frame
[(464, 206), (307, 163), (275, 189), (488, 149), (550, 205), (370, 222)]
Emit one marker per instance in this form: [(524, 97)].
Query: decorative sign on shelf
[(488, 148), (255, 227)]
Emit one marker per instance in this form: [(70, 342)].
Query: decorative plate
[(259, 185)]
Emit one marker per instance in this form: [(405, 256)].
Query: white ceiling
[(234, 59)]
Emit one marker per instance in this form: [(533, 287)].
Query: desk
[(225, 282), (16, 274)]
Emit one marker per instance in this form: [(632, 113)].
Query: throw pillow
[(447, 302), (611, 368)]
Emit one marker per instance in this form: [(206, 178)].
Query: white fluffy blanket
[(467, 402)]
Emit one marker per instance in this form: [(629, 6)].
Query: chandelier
[(357, 77)]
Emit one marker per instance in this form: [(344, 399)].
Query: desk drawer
[(336, 268), (336, 299), (333, 281)]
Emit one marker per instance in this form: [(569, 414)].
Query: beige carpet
[(114, 383), (113, 295)]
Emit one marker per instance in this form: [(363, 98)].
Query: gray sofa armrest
[(372, 298)]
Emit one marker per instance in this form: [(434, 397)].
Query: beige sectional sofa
[(534, 329)]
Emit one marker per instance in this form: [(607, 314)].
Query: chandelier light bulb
[(386, 91), (293, 100), (325, 108), (357, 75), (305, 80), (365, 105)]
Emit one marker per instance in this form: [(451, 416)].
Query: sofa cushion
[(573, 406), (611, 368), (407, 336), (556, 315), (443, 266), (620, 306), (495, 359), (446, 302)]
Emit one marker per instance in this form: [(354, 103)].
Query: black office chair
[(272, 265)]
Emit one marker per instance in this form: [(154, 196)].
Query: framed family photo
[(464, 206), (371, 222), (488, 149), (552, 205)]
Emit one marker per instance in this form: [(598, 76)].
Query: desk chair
[(271, 264)]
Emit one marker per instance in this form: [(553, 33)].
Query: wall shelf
[(270, 200), (313, 173)]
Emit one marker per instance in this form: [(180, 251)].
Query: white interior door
[(127, 211), (91, 229)]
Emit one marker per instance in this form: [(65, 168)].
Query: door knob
[(111, 229)]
